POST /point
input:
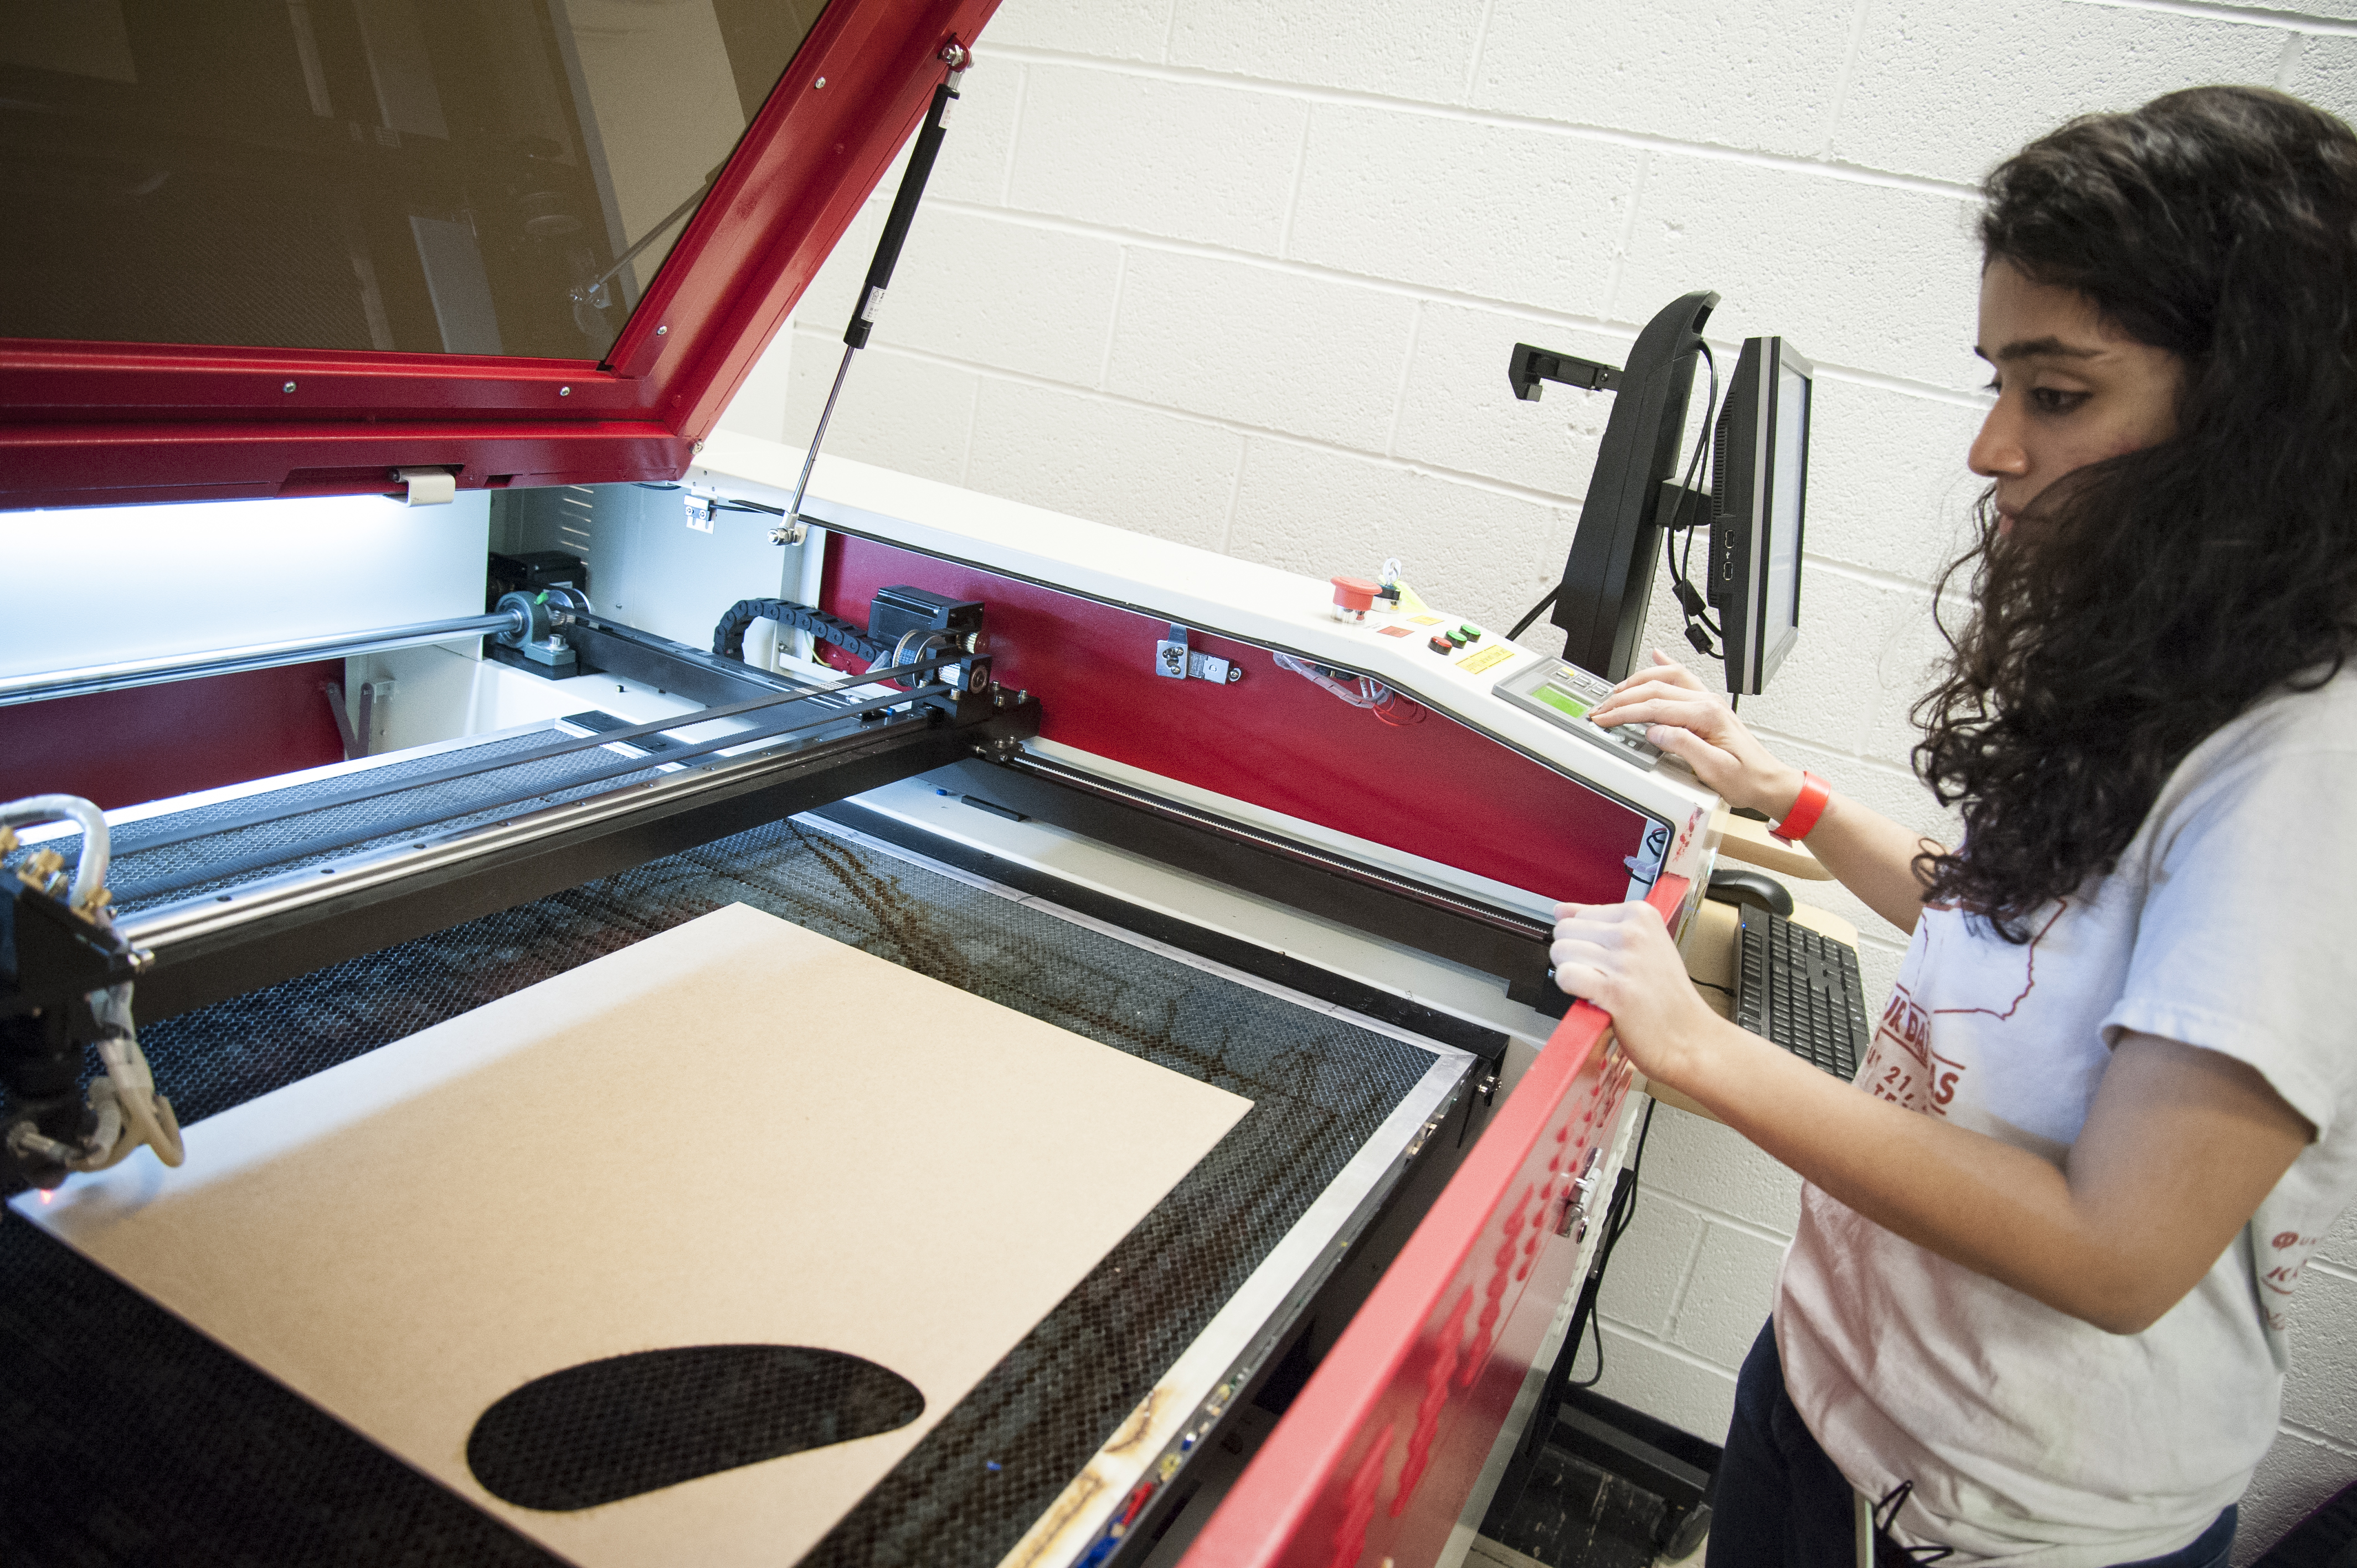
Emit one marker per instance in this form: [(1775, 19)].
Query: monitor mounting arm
[(1531, 365), (1607, 576)]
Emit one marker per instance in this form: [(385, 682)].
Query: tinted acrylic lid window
[(463, 177)]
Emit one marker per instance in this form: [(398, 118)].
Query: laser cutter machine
[(1319, 823)]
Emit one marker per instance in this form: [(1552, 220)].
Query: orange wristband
[(1806, 809)]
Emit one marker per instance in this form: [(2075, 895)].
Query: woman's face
[(2071, 390)]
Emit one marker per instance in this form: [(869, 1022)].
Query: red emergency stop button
[(1353, 596)]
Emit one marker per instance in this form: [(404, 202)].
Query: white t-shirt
[(2032, 1437)]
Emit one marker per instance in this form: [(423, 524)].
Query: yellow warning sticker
[(1424, 620), (1495, 654)]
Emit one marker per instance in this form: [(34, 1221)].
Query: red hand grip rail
[(1378, 1453)]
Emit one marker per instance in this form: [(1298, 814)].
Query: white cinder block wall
[(1245, 274)]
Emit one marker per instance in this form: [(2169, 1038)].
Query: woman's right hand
[(1698, 727)]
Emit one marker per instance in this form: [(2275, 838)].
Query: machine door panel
[(273, 247)]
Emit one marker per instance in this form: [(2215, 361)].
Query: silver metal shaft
[(43, 685), (793, 524)]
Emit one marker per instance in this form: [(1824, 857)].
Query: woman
[(2035, 1298)]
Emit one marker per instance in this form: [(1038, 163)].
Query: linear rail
[(44, 685)]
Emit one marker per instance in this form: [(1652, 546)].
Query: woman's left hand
[(1620, 956)]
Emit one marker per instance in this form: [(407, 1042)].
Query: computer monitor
[(1607, 580), (1760, 493)]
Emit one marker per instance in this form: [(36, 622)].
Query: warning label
[(1495, 654)]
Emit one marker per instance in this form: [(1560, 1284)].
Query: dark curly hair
[(2163, 592)]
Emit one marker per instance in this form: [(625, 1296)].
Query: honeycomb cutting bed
[(133, 1439)]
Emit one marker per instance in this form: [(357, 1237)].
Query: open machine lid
[(286, 247)]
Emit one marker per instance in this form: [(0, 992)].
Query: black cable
[(1685, 572), (728, 635), (1692, 605), (1538, 609), (1615, 1222), (1686, 597)]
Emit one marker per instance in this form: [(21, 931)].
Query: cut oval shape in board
[(616, 1428)]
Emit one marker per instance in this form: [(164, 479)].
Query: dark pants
[(1778, 1502)]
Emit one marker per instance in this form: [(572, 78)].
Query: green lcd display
[(1561, 701)]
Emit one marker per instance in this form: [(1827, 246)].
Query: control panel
[(1447, 638), (1565, 694)]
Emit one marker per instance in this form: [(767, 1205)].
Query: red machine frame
[(1275, 740), (85, 423), (1377, 1455)]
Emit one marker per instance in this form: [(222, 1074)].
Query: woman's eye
[(2054, 399)]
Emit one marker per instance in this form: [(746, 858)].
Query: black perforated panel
[(130, 1439), (227, 855)]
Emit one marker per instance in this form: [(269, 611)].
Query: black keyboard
[(1799, 988)]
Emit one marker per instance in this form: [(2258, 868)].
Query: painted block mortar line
[(2309, 1434), (1293, 191), (1830, 168), (1702, 1212), (1685, 1277), (2249, 17), (1112, 322), (1399, 394), (1848, 70), (1013, 133), (1882, 764), (1235, 493), (1678, 1352), (1973, 398), (1627, 234), (1751, 1228), (1890, 582), (1620, 331), (2287, 63), (965, 462), (1481, 42), (2333, 1271)]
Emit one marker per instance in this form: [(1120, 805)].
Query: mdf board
[(737, 1133)]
